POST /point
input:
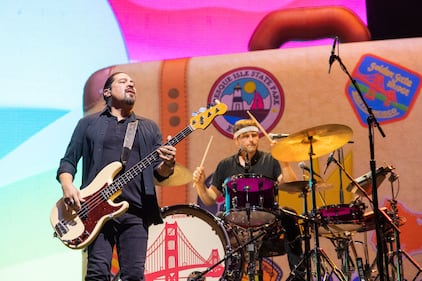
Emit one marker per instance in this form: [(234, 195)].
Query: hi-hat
[(301, 186), (181, 176), (324, 139)]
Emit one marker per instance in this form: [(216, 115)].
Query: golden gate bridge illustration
[(172, 253), (185, 243)]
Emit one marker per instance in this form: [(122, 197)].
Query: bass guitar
[(77, 229)]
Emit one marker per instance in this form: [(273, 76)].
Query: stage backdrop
[(291, 91)]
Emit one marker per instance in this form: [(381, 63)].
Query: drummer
[(248, 159)]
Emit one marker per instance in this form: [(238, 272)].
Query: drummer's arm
[(208, 195), (288, 175)]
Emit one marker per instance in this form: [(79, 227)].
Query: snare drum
[(250, 200), (340, 218)]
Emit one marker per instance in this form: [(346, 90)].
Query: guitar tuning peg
[(200, 110)]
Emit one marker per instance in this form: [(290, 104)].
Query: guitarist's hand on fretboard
[(168, 154)]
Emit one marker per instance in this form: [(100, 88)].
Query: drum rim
[(251, 175)]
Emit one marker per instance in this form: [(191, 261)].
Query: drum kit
[(250, 228)]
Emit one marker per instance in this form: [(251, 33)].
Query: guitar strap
[(128, 142)]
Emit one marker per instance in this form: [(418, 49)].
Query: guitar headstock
[(203, 119)]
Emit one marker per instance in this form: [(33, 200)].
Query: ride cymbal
[(181, 176), (324, 139)]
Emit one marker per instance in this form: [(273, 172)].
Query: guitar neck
[(137, 169)]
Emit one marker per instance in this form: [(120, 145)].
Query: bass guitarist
[(100, 139)]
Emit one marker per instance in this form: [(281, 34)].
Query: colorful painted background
[(49, 50)]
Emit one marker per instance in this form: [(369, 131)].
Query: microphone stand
[(250, 246), (247, 162), (341, 159), (372, 122)]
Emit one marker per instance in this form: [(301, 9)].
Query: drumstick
[(206, 152), (259, 126)]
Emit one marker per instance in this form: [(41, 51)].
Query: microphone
[(329, 160), (246, 162), (241, 150), (278, 136), (304, 167), (332, 56)]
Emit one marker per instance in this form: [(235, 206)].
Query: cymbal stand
[(341, 159), (307, 244), (341, 245), (312, 185), (317, 253), (251, 248), (396, 253)]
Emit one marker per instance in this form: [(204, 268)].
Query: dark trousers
[(285, 238), (293, 241), (130, 236)]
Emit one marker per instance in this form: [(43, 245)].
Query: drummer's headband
[(245, 130)]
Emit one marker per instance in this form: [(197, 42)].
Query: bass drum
[(190, 240)]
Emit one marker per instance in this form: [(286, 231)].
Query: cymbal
[(181, 176), (301, 186), (324, 138)]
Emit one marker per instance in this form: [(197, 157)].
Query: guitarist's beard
[(129, 100)]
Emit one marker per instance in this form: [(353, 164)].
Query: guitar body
[(78, 229)]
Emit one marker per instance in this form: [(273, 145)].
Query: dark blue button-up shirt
[(87, 142)]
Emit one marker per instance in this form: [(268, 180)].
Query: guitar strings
[(98, 198)]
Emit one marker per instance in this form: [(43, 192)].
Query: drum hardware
[(340, 155), (365, 181), (318, 253), (380, 211), (395, 254), (307, 144), (342, 243), (251, 246), (378, 216), (251, 263)]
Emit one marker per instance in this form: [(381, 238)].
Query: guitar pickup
[(60, 229)]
